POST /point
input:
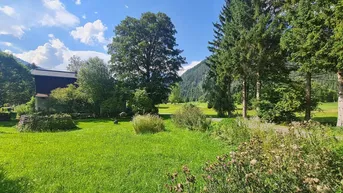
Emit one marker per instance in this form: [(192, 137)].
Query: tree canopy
[(16, 81), (144, 54)]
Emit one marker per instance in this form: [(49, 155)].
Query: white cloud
[(8, 44), (14, 30), (126, 6), (55, 55), (8, 51), (84, 16), (51, 35), (7, 10), (188, 66), (90, 33), (78, 2), (57, 15), (95, 12), (24, 17)]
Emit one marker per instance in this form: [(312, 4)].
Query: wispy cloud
[(126, 6)]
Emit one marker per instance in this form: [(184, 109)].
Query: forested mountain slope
[(191, 85)]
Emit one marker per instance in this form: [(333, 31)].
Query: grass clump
[(191, 117), (48, 123), (148, 124)]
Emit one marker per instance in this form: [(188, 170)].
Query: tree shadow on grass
[(8, 123), (20, 185), (332, 121)]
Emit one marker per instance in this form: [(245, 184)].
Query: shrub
[(148, 124), (69, 100), (25, 109), (282, 101), (142, 104), (48, 123), (191, 117), (297, 161), (232, 132)]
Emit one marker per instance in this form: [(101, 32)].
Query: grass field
[(99, 157), (326, 113), (103, 157)]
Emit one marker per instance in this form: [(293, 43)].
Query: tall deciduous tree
[(75, 64), (95, 81), (144, 54)]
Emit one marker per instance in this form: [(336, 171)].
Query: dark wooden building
[(48, 80)]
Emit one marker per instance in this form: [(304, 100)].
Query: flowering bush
[(297, 161)]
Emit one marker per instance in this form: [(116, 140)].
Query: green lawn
[(327, 112), (99, 157), (103, 157)]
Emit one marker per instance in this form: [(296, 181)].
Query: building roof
[(40, 95), (53, 73)]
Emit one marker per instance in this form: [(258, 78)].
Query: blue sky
[(49, 32)]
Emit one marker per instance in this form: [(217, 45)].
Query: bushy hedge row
[(300, 160), (48, 123)]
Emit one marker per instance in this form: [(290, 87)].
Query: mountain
[(192, 79), (21, 61)]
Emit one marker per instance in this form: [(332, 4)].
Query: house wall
[(41, 104), (45, 84)]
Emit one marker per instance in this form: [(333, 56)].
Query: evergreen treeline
[(262, 44)]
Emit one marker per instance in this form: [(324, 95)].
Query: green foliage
[(144, 54), (69, 100), (141, 103), (191, 117), (98, 85), (17, 85), (219, 96), (148, 124), (48, 123), (231, 132), (272, 162), (175, 95), (75, 64), (25, 109), (281, 102)]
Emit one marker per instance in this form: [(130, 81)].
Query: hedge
[(48, 123), (5, 116)]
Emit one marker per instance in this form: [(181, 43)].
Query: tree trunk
[(229, 110), (258, 90), (244, 97), (258, 87), (308, 96), (340, 98)]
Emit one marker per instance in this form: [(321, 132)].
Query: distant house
[(48, 80)]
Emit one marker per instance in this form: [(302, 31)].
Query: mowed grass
[(100, 157), (326, 113)]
